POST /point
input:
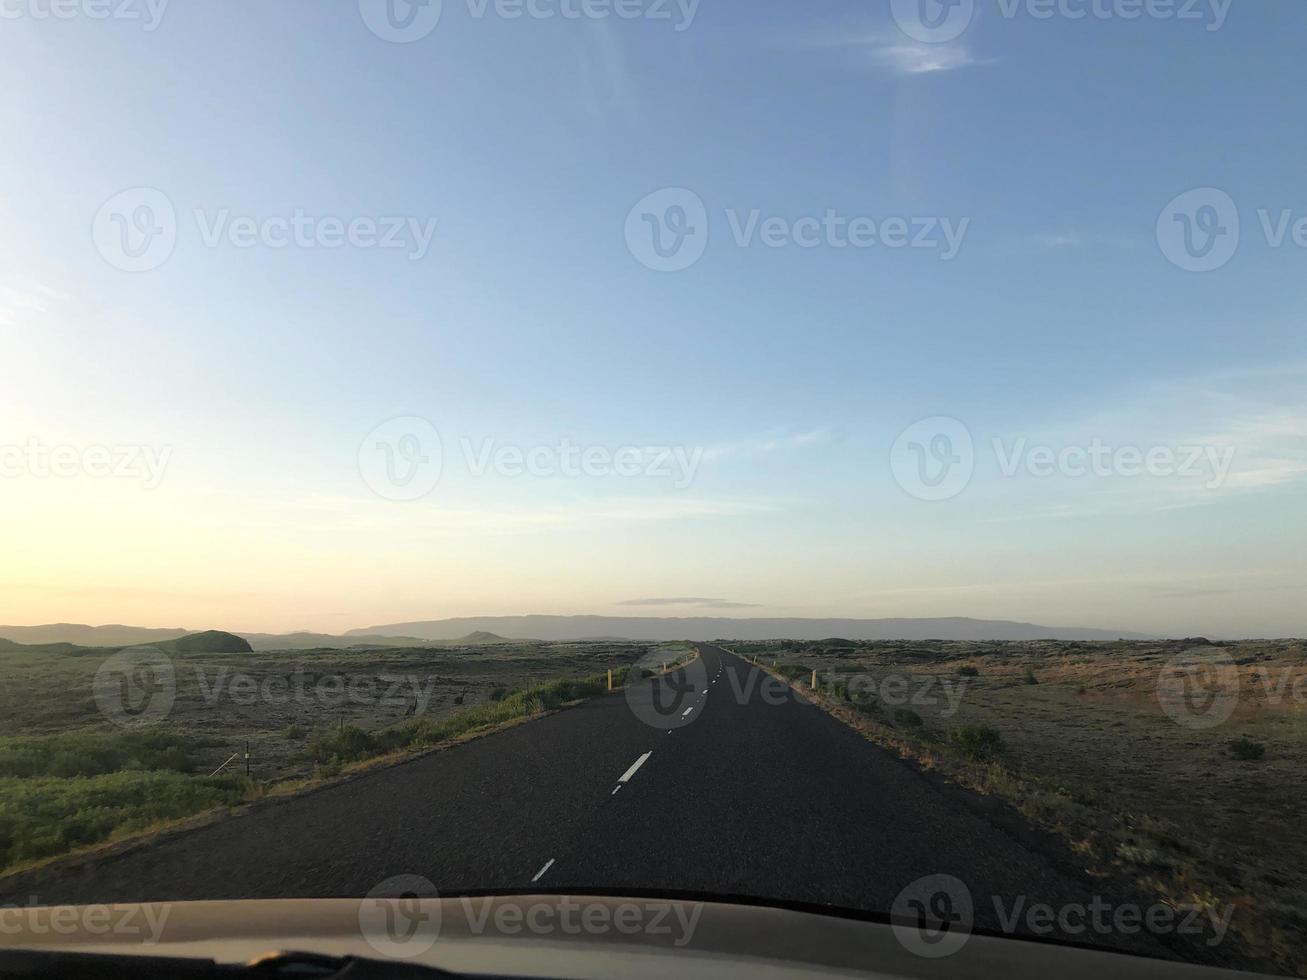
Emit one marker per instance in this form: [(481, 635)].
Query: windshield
[(843, 455)]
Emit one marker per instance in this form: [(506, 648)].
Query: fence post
[(814, 679), (610, 678)]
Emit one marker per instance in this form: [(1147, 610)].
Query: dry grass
[(1089, 753), (71, 783)]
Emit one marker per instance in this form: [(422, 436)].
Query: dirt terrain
[(1179, 763)]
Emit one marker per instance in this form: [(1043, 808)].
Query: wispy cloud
[(690, 601), (22, 301), (913, 58), (768, 443), (1255, 419), (1210, 593), (1074, 239), (897, 54), (339, 513), (607, 88)]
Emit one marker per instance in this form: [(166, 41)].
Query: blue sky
[(790, 370)]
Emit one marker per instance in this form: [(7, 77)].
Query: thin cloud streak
[(691, 601), (897, 54)]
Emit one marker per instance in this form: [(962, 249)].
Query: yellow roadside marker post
[(610, 678)]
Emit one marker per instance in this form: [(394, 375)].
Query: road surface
[(732, 790)]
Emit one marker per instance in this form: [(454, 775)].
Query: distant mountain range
[(713, 627), (76, 634), (485, 630), (89, 636)]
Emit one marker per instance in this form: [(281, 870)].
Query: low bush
[(93, 753), (352, 744), (794, 672), (977, 741), (1246, 749), (44, 817)]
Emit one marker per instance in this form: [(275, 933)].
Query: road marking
[(615, 789), (687, 711), (635, 767), (541, 873)]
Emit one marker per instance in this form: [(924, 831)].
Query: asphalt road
[(737, 788)]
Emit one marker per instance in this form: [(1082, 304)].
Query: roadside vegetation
[(1072, 735), (331, 750), (70, 780)]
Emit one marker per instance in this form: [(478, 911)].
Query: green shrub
[(93, 753), (42, 817), (1030, 676), (977, 741), (1246, 749), (908, 718), (353, 744), (793, 672), (296, 732), (498, 694), (968, 671)]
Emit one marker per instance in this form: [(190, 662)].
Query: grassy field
[(1077, 736), (71, 778)]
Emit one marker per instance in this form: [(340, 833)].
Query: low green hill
[(210, 641), (478, 638)]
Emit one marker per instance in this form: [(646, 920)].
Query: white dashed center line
[(687, 711), (541, 873), (635, 767)]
